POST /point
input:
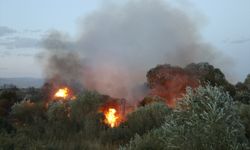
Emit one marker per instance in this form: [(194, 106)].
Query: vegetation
[(206, 117)]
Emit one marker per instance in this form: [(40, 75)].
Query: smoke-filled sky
[(218, 26)]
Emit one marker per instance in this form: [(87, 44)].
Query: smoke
[(118, 43), (62, 63)]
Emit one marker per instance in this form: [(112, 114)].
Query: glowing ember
[(62, 93), (111, 117)]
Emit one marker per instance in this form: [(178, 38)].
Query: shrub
[(85, 114), (116, 136), (7, 98), (206, 118), (145, 142), (57, 111), (139, 122), (245, 117), (59, 122), (243, 96), (6, 141), (85, 103), (146, 118), (26, 112), (5, 126), (151, 99)]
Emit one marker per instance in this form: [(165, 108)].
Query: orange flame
[(111, 118), (62, 93)]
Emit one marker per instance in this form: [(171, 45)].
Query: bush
[(146, 118), (209, 74), (6, 141), (85, 114), (151, 99), (7, 98), (66, 125), (243, 97), (116, 136), (58, 111), (206, 118), (26, 112), (86, 103), (5, 126), (245, 117), (139, 122), (243, 91), (146, 142), (247, 81)]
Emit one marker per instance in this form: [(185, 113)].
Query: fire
[(111, 117), (62, 93)]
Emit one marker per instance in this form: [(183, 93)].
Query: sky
[(225, 24)]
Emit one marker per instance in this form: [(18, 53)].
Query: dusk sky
[(23, 23)]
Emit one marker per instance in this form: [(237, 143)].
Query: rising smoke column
[(118, 43)]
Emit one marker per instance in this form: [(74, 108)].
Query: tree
[(7, 98)]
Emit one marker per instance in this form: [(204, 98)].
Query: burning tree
[(170, 82)]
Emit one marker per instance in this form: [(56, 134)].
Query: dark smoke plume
[(118, 43)]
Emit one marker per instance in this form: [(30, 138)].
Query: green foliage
[(206, 118), (151, 99), (33, 94), (139, 122), (86, 103), (65, 125), (209, 74), (58, 120), (146, 142), (23, 140), (146, 118), (26, 112), (243, 96), (6, 142), (76, 116), (116, 136), (57, 111), (245, 117), (84, 112), (93, 125), (9, 94), (7, 98), (243, 91), (247, 81), (5, 126)]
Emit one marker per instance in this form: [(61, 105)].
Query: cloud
[(20, 42), (18, 53), (32, 31), (238, 41), (15, 39), (5, 53), (25, 55), (6, 30), (3, 68)]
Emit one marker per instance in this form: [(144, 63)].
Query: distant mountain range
[(22, 82)]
